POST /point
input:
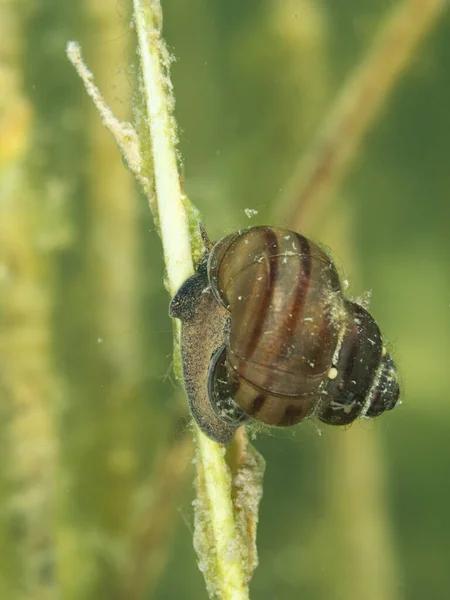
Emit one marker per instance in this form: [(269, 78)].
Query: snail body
[(286, 346)]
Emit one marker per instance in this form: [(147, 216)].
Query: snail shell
[(287, 345)]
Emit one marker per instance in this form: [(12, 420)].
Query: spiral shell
[(289, 345)]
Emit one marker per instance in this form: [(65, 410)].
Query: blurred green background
[(96, 475)]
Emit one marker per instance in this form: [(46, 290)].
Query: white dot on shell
[(332, 373), (383, 351)]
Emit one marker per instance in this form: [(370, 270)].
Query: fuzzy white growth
[(248, 485), (123, 132), (364, 299)]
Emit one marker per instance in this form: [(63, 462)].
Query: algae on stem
[(227, 551)]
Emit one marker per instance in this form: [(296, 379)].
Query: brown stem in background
[(106, 411), (357, 107), (152, 533), (357, 532), (359, 514), (114, 231)]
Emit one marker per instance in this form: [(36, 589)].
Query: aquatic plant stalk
[(356, 484), (357, 107), (153, 528), (173, 220), (220, 543)]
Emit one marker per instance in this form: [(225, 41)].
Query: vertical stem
[(159, 103), (113, 209), (152, 531), (101, 457), (215, 527), (358, 511), (361, 522), (226, 550), (226, 578)]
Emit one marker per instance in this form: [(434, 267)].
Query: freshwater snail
[(267, 334)]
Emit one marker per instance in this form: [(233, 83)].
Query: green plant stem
[(172, 215), (226, 579), (229, 577), (221, 546)]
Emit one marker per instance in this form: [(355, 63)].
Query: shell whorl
[(282, 292)]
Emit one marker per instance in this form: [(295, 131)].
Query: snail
[(267, 334)]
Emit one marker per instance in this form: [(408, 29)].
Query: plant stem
[(216, 537), (356, 484), (158, 100), (355, 110), (223, 549), (152, 530), (226, 578), (123, 132)]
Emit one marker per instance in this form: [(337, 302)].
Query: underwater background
[(96, 453)]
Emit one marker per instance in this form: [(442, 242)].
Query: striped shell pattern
[(292, 346)]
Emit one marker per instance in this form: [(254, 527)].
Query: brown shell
[(286, 306), (357, 363)]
